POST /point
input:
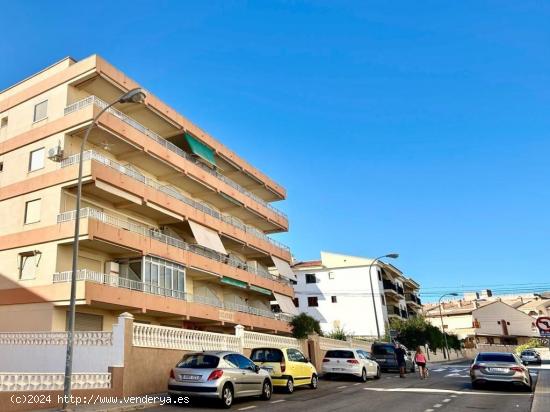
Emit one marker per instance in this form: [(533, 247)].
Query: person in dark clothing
[(400, 355)]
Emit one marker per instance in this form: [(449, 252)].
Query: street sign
[(543, 323)]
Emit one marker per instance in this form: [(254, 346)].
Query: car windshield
[(528, 353), (199, 361), (496, 357), (383, 350), (340, 354), (266, 355)]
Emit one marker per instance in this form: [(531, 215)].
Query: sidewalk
[(541, 401)]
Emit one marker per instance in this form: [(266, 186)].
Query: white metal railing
[(172, 192), (117, 281), (170, 146), (182, 339), (156, 234), (258, 340), (28, 382)]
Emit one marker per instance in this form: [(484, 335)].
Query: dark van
[(384, 353)]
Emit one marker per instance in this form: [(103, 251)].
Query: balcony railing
[(156, 234), (411, 297), (392, 310), (172, 192), (389, 285), (117, 281), (94, 100), (400, 290)]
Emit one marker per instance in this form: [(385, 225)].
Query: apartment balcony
[(143, 185), (400, 290), (413, 300), (114, 292), (390, 289), (115, 233), (130, 139), (394, 311)]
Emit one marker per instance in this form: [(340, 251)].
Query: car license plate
[(190, 377), (381, 360), (498, 370), (337, 369)]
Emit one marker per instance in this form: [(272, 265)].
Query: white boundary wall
[(44, 352)]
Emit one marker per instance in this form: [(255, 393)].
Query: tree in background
[(304, 325), (417, 331)]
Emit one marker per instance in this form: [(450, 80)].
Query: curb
[(541, 399)]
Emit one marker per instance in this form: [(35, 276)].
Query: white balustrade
[(56, 338), (255, 340), (182, 339), (16, 382), (328, 343)]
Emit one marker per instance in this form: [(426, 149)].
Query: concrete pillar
[(239, 333)]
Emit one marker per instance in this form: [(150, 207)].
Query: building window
[(333, 299), (86, 322), (162, 277), (36, 159), (4, 122), (331, 275), (379, 275), (32, 211), (310, 278), (28, 262), (312, 301), (383, 299), (40, 111), (296, 302), (1, 166)]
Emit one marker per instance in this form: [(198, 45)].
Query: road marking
[(247, 408), (446, 400), (342, 387), (434, 391), (429, 410), (438, 405), (453, 396), (278, 400), (355, 384)]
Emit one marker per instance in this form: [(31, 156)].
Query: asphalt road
[(446, 390)]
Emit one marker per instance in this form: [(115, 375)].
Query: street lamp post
[(132, 96), (446, 349), (390, 256)]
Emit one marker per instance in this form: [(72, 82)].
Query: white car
[(354, 362)]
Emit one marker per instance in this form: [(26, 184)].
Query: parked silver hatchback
[(498, 367), (218, 375)]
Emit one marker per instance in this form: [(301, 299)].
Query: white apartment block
[(336, 291)]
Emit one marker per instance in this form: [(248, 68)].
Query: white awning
[(283, 268), (207, 237), (286, 304)]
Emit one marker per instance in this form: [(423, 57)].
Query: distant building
[(465, 317), (336, 290)]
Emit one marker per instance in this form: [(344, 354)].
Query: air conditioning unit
[(55, 153)]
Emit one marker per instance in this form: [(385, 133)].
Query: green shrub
[(338, 333), (304, 325), (532, 343)]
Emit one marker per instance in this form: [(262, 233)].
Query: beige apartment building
[(174, 225)]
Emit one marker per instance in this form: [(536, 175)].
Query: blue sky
[(416, 127)]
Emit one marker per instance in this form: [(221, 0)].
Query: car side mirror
[(256, 368), (307, 360)]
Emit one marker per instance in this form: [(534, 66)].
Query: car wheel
[(529, 388), (227, 396), (412, 370), (314, 382), (378, 374), (363, 375), (266, 390), (289, 385), (475, 385)]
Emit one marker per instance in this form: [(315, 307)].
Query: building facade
[(508, 319), (336, 291), (174, 225)]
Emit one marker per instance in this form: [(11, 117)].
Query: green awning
[(234, 282), (200, 149), (261, 290)]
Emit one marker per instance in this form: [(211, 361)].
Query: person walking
[(420, 360), (400, 357)]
